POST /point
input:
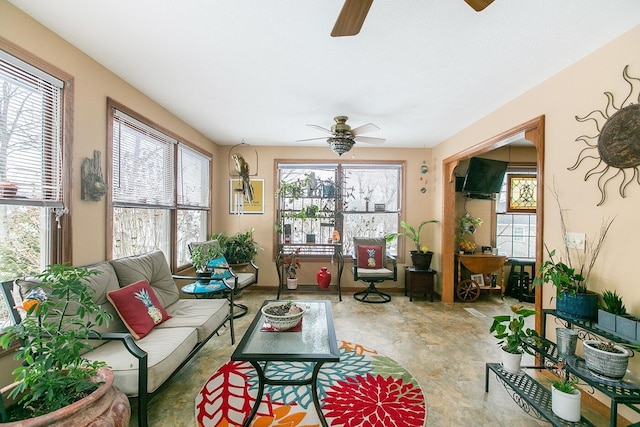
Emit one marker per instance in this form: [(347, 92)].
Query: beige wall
[(420, 206), (576, 91)]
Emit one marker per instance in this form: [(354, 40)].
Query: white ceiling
[(260, 70)]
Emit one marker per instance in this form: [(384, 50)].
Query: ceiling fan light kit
[(343, 137), (341, 144)]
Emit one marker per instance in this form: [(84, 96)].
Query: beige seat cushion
[(167, 348), (206, 315)]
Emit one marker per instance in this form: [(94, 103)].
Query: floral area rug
[(363, 389)]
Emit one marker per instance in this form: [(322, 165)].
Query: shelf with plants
[(620, 391)]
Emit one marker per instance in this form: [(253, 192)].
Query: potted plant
[(467, 226), (609, 309), (606, 358), (239, 248), (421, 256), (514, 338), (570, 273), (291, 265), (200, 256), (60, 315), (565, 397)]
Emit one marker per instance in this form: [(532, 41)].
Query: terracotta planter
[(107, 406)]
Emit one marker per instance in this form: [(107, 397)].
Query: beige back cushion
[(153, 268)]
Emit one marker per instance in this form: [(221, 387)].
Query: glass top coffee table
[(315, 343)]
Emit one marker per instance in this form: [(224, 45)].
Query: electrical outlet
[(575, 240)]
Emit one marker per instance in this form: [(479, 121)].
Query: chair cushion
[(369, 256), (206, 315), (378, 273), (153, 268), (167, 348), (138, 307)]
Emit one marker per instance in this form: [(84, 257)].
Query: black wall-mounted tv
[(484, 177)]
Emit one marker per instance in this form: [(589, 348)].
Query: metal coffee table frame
[(260, 348)]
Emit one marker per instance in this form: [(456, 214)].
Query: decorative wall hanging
[(616, 147), (238, 200), (243, 163), (92, 182), (423, 176)]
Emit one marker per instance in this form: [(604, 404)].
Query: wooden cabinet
[(416, 280)]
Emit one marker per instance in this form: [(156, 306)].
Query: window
[(160, 190), (356, 199), (515, 213), (32, 125)]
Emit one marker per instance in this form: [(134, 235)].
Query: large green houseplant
[(239, 248), (60, 315), (421, 256)]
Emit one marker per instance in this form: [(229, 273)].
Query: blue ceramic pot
[(578, 306)]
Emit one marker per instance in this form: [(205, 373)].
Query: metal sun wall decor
[(616, 147)]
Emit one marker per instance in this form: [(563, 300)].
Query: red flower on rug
[(374, 401), (364, 389)]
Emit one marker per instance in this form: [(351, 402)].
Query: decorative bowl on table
[(283, 315)]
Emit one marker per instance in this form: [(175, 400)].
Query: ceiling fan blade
[(321, 128), (478, 5), (324, 138), (369, 140), (369, 127), (351, 18)]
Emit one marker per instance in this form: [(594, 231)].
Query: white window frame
[(41, 173)]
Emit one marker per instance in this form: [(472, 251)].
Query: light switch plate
[(575, 240)]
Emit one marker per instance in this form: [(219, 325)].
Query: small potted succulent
[(565, 397), (609, 308), (606, 358), (421, 256), (513, 338)]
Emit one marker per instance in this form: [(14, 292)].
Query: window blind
[(193, 178), (31, 144), (143, 164)]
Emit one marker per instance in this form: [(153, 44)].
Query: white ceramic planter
[(511, 362), (292, 284), (565, 405)]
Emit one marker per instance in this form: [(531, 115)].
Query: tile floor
[(443, 345)]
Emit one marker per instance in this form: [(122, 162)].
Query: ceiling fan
[(354, 12), (343, 137)]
